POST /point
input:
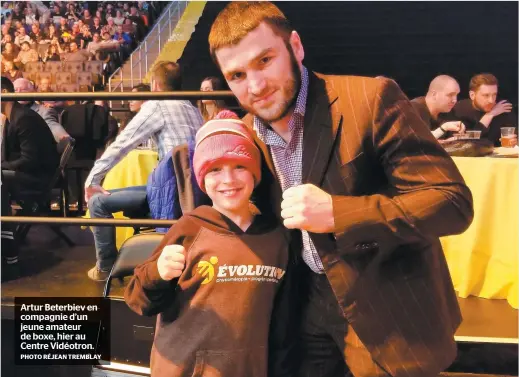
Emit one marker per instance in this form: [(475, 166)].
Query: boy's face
[(230, 186)]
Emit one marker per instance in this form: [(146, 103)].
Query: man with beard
[(359, 176), (482, 112), (440, 99)]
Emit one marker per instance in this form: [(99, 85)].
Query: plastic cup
[(507, 137)]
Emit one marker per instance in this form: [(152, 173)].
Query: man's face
[(73, 47), (23, 86), (135, 105), (447, 97), (96, 37), (21, 32), (484, 98), (44, 85), (263, 73), (119, 29), (96, 21), (8, 66), (25, 47), (86, 13), (35, 29)]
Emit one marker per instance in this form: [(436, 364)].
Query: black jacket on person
[(470, 116), (28, 145)]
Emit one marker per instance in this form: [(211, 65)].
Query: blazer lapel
[(321, 127)]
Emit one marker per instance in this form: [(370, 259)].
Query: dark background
[(411, 42)]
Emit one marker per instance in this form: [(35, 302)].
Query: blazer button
[(374, 244), (358, 246)]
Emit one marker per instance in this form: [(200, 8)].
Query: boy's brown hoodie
[(215, 319)]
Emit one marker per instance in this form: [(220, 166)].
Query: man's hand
[(454, 126), (92, 190), (307, 207), (171, 262), (500, 108)]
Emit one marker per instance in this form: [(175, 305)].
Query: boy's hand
[(171, 262)]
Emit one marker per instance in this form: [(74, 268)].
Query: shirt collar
[(262, 128)]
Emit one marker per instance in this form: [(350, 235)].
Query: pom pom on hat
[(222, 140)]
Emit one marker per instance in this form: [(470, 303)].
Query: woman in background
[(210, 108)]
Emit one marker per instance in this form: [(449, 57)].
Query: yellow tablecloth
[(133, 170), (483, 261)]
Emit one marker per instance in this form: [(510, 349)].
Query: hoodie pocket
[(232, 363)]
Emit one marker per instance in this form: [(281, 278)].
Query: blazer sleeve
[(425, 197)]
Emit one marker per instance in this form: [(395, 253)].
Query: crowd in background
[(72, 31)]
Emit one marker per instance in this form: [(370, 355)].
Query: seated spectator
[(57, 11), (6, 36), (136, 19), (29, 160), (440, 99), (170, 123), (75, 54), (71, 15), (97, 26), (30, 16), (52, 33), (88, 19), (126, 9), (65, 44), (26, 55), (49, 115), (63, 26), (135, 105), (110, 27), (85, 37), (37, 35), (10, 71), (8, 52), (102, 19), (6, 10), (52, 54), (110, 12), (22, 37), (44, 85), (128, 26), (119, 18), (211, 108), (18, 24), (123, 38), (17, 13), (481, 112), (8, 28), (95, 45)]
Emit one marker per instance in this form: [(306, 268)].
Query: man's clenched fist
[(171, 262)]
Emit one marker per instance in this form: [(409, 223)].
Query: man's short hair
[(26, 43), (238, 19), (7, 85), (167, 75), (142, 87), (482, 79)]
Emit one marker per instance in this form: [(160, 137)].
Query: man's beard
[(290, 89), (481, 108)]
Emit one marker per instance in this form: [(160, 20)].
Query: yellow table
[(133, 170), (483, 261)]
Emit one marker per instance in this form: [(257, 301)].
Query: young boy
[(215, 303)]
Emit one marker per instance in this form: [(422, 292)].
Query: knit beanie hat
[(226, 140)]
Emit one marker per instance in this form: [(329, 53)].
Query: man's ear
[(472, 95), (297, 46)]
